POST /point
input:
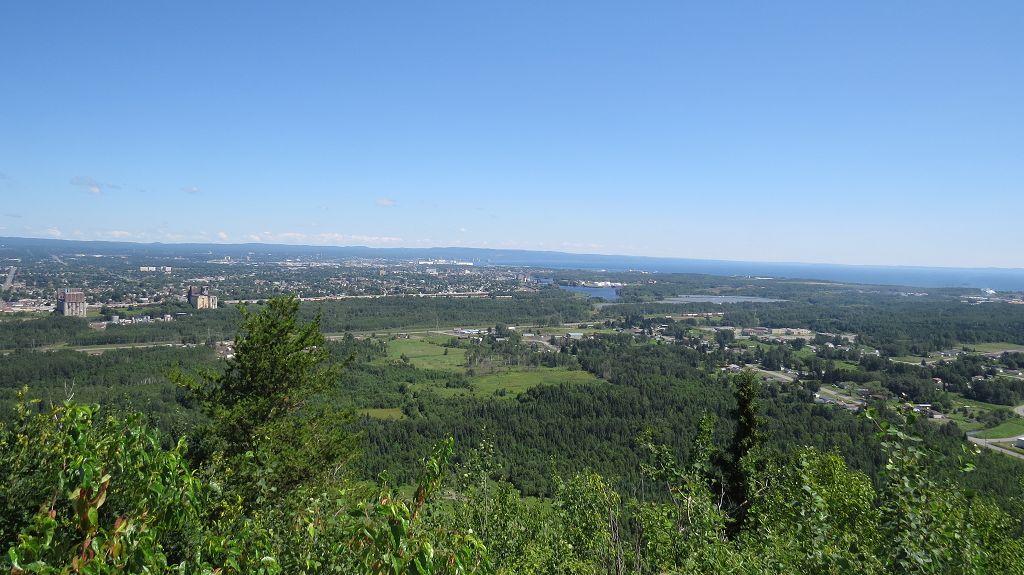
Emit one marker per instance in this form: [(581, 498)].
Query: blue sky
[(886, 132)]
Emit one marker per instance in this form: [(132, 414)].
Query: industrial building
[(200, 298), (71, 301)]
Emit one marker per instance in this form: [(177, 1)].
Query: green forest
[(370, 314), (299, 454)]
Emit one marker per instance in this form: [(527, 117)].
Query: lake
[(608, 293)]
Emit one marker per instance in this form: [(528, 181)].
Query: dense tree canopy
[(664, 464)]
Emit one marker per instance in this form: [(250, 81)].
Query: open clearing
[(1009, 428), (510, 382), (975, 410), (959, 400), (995, 347), (1009, 446), (517, 381), (916, 360), (383, 412), (425, 354)]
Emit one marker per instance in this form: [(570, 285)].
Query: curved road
[(991, 443)]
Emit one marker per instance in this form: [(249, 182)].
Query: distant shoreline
[(999, 279)]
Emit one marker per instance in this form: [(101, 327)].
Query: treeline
[(895, 326), (661, 389), (504, 347), (552, 306), (125, 380), (643, 288), (264, 487), (548, 307), (973, 376), (138, 380), (198, 327)]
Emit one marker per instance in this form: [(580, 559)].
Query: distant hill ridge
[(1000, 279)]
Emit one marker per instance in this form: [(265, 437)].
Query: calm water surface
[(607, 293)]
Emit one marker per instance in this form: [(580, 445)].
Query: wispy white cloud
[(54, 232), (386, 202), (333, 238), (375, 239), (191, 190), (274, 237), (222, 235), (115, 234), (91, 185)]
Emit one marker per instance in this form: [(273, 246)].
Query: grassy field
[(975, 409), (1010, 446), (961, 422), (804, 353), (426, 353), (916, 360), (1009, 428), (965, 423), (383, 412), (750, 344), (959, 400), (510, 382), (995, 347), (562, 330), (517, 381)]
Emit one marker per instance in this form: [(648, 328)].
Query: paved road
[(991, 444), (776, 375), (10, 278)]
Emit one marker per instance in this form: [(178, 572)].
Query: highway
[(10, 279)]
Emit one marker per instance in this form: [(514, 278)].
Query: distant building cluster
[(444, 263), (71, 301), (200, 298), (118, 320), (165, 269)]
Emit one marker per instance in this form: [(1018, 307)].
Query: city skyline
[(872, 134)]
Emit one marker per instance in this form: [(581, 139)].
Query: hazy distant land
[(999, 279)]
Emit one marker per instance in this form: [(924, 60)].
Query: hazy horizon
[(871, 134), (522, 250)]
